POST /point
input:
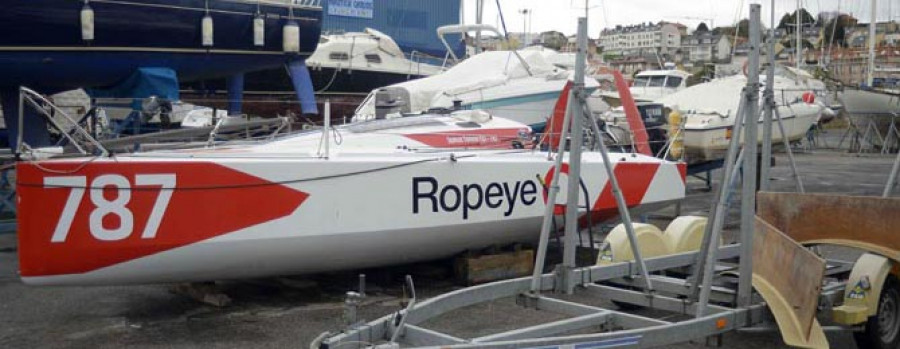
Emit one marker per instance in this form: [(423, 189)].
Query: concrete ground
[(290, 312)]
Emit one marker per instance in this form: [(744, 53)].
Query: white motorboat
[(523, 87), (347, 63), (361, 195), (651, 85), (709, 110)]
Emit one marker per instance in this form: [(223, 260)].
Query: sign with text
[(351, 8)]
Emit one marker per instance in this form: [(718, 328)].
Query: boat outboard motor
[(391, 100), (655, 124)]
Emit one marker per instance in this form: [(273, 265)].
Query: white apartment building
[(645, 38), (706, 47)]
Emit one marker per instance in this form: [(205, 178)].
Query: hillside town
[(837, 42)]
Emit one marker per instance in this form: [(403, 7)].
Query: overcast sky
[(561, 15)]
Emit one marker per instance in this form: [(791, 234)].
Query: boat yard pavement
[(290, 312)]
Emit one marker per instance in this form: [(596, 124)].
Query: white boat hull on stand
[(860, 102), (285, 207), (706, 137)]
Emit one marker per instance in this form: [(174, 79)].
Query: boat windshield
[(673, 82), (657, 81), (641, 81)]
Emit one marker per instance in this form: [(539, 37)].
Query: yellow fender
[(685, 234), (616, 248), (863, 289)]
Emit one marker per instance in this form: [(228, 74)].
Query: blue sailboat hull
[(42, 46)]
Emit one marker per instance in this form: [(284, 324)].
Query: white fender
[(259, 31)]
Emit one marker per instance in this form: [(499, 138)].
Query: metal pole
[(479, 14), (624, 214), (770, 103), (872, 24), (574, 188), (787, 149), (892, 179), (717, 211), (20, 127), (799, 32), (327, 130), (748, 191), (552, 191), (617, 193)]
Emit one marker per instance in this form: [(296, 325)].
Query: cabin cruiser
[(345, 64), (651, 85)]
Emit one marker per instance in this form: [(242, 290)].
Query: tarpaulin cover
[(143, 83)]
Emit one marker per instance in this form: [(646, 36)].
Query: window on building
[(339, 56), (373, 58), (673, 81)]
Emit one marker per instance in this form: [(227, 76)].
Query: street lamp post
[(525, 33)]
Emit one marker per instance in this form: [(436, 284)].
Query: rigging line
[(835, 23), (737, 27), (254, 185), (133, 3)]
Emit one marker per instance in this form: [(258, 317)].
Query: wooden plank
[(486, 268), (789, 277), (869, 223)]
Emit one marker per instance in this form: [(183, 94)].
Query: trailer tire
[(882, 331)]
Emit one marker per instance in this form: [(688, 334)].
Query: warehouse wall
[(412, 23)]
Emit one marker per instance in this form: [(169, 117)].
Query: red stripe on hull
[(209, 200)]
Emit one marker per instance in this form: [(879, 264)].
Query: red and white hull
[(261, 211)]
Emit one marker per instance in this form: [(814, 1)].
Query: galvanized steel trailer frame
[(628, 282), (631, 330)]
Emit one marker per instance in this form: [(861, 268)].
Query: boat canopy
[(481, 71), (720, 96)]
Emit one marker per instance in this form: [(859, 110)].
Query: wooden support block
[(474, 269), (204, 292)]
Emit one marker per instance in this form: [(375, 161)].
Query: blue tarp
[(143, 83)]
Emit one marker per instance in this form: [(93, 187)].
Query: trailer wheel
[(882, 331)]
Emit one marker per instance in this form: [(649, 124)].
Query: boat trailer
[(681, 285)]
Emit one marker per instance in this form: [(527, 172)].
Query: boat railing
[(415, 65), (77, 136), (304, 3), (280, 124), (792, 95), (308, 3)]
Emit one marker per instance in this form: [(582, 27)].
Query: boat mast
[(870, 76), (479, 14), (799, 31)]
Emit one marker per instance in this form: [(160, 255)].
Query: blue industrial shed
[(412, 23)]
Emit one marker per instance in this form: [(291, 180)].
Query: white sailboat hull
[(862, 102), (386, 192)]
